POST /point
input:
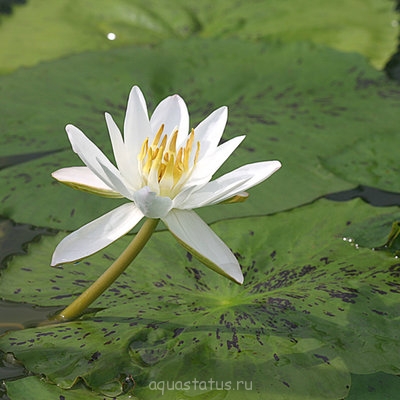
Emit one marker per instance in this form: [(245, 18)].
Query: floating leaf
[(370, 159), (374, 387), (297, 103), (47, 30), (314, 308), (40, 389)]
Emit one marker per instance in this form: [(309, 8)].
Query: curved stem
[(110, 275)]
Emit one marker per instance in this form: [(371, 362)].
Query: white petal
[(97, 234), (116, 141), (93, 157), (208, 165), (151, 205), (210, 130), (136, 124), (126, 161), (228, 185), (196, 236), (173, 113), (82, 178)]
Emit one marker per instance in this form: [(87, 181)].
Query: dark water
[(6, 6), (375, 197)]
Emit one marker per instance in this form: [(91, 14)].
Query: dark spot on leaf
[(375, 290), (189, 256), (329, 314), (276, 357), (364, 83), (282, 304), (178, 331), (325, 359), (395, 270), (61, 296), (290, 324), (325, 260), (234, 342), (380, 312), (27, 178), (94, 357), (286, 384), (44, 334)]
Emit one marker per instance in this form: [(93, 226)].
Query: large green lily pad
[(298, 103), (44, 30), (365, 387), (33, 387), (314, 308), (374, 387)]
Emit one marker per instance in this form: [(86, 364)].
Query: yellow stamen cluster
[(163, 163)]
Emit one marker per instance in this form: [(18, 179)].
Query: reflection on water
[(14, 316)]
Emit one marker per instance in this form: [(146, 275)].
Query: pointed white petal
[(127, 162), (97, 234), (82, 178), (210, 130), (196, 236), (116, 141), (136, 124), (151, 205), (207, 166), (118, 182), (228, 185), (173, 113), (93, 157)]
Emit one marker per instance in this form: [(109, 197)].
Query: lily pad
[(374, 387), (374, 163), (47, 30), (314, 308), (298, 103), (40, 389)]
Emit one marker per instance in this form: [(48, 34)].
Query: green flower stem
[(77, 307)]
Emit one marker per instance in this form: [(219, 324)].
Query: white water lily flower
[(164, 170)]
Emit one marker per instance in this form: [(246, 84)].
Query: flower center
[(164, 168)]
